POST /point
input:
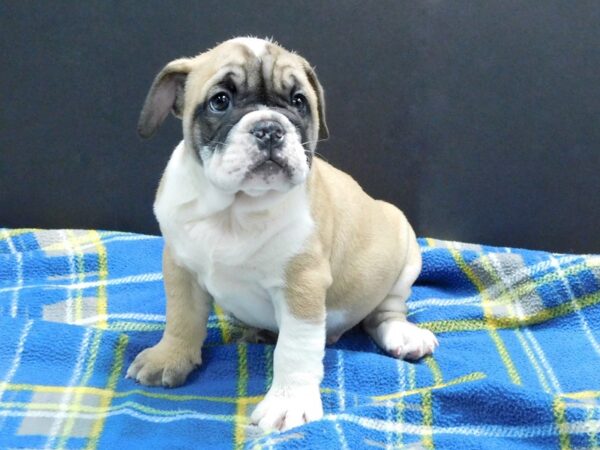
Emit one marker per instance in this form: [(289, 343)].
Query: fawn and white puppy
[(277, 237)]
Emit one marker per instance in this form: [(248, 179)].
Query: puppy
[(278, 238)]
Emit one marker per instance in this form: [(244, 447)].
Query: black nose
[(268, 133)]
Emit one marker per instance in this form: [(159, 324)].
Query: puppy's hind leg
[(387, 324)]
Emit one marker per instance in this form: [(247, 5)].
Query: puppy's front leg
[(170, 361), (294, 397)]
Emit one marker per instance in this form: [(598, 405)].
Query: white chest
[(238, 255), (242, 270)]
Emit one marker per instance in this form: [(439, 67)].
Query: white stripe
[(125, 237), (474, 300), (586, 327), (516, 431), (389, 409), (401, 375), (14, 302), (92, 245), (487, 430), (340, 379), (123, 411), (124, 316), (16, 361), (401, 370), (531, 355), (17, 358), (542, 357), (9, 242), (340, 432), (144, 278), (70, 254), (149, 318), (66, 397)]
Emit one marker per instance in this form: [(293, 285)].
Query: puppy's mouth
[(270, 166)]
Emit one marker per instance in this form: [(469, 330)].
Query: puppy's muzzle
[(270, 139)]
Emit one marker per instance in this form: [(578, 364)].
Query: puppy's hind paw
[(405, 340)]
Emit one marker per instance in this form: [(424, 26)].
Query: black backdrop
[(481, 120)]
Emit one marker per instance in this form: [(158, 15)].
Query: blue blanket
[(518, 364)]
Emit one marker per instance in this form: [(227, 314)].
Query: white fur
[(397, 337), (258, 46), (404, 339), (337, 324), (237, 245), (234, 219), (294, 397), (229, 169)]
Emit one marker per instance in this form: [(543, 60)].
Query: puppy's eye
[(299, 102), (219, 102)]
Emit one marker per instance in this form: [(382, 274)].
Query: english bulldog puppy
[(277, 237)]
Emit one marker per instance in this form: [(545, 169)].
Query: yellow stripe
[(435, 370), (400, 407), (555, 312), (135, 326), (17, 232), (412, 377), (106, 400), (85, 239), (223, 325), (559, 410), (102, 304), (66, 432), (427, 438), (502, 351), (475, 376), (581, 394), (592, 432), (242, 387), (451, 326), (511, 300), (269, 349)]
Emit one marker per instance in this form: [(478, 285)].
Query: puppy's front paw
[(163, 365), (406, 340), (288, 407)]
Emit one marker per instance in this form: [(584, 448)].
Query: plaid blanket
[(518, 364)]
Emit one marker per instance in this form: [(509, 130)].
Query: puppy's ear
[(166, 94), (314, 81)]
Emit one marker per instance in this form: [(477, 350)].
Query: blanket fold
[(518, 364)]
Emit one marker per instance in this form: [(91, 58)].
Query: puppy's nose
[(268, 133)]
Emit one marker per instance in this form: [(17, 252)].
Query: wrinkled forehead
[(251, 65)]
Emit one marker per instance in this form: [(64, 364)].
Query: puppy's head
[(252, 113)]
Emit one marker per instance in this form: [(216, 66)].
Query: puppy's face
[(252, 114)]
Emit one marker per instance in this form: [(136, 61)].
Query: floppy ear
[(314, 81), (166, 94)]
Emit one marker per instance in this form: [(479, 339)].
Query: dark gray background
[(479, 119)]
